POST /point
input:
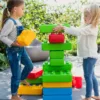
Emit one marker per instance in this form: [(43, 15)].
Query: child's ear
[(14, 9)]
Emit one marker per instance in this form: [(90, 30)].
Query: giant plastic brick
[(30, 90), (56, 38), (57, 91), (35, 81), (57, 76), (56, 54), (26, 37), (66, 68), (77, 82), (48, 28), (61, 46), (57, 85), (35, 73), (58, 97), (57, 62)]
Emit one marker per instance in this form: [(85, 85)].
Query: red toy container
[(35, 73), (56, 38), (77, 82)]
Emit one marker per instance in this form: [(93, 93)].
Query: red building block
[(35, 73), (56, 38), (77, 82), (73, 82)]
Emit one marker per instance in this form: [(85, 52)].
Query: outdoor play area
[(57, 72)]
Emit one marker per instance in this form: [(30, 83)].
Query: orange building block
[(26, 37), (30, 90), (57, 85)]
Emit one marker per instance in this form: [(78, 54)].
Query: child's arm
[(87, 30), (72, 30), (5, 32)]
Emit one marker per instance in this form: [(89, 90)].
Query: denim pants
[(90, 78), (18, 56)]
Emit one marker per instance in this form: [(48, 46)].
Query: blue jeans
[(90, 78), (16, 56)]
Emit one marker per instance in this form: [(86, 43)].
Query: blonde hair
[(94, 11)]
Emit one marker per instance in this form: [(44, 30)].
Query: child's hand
[(16, 44), (59, 28)]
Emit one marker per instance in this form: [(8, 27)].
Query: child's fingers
[(55, 30), (18, 44)]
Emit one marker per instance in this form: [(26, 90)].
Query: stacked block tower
[(57, 76), (35, 79)]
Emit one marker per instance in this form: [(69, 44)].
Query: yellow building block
[(26, 37), (30, 90), (57, 85)]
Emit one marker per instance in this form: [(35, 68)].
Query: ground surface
[(77, 70)]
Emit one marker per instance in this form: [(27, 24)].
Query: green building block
[(56, 62), (61, 46), (48, 28), (56, 54), (35, 81), (66, 68), (57, 77)]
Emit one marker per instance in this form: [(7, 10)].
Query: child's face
[(87, 18), (19, 11)]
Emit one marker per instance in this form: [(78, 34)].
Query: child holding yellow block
[(13, 35)]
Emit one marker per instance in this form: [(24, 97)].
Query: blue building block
[(57, 91), (58, 97)]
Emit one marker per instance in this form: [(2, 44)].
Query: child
[(11, 28), (87, 46)]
